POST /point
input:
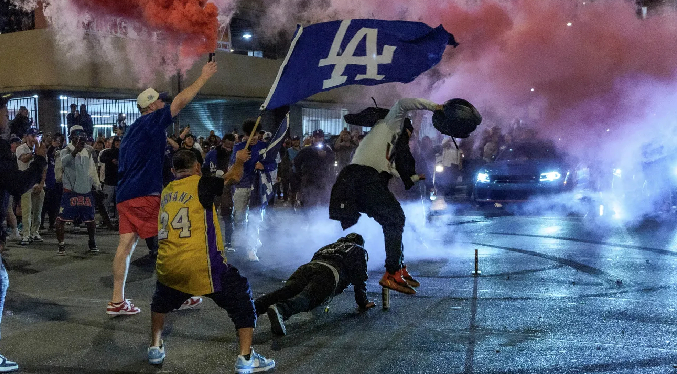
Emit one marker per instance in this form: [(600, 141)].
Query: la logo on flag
[(327, 55), (370, 60)]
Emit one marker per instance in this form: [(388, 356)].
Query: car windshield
[(529, 151)]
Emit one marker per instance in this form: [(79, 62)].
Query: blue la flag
[(269, 154), (368, 52)]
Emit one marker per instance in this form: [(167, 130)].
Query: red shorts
[(139, 215)]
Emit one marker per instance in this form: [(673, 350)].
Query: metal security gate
[(30, 102), (107, 114)]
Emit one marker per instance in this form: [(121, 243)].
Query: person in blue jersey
[(216, 163), (246, 217), (140, 179)]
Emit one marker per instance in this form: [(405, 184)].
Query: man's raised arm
[(186, 96)]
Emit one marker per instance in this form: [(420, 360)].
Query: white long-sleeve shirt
[(375, 149), (79, 172)]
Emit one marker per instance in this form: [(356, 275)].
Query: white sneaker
[(36, 238), (251, 255), (16, 236), (230, 249), (191, 302), (256, 364), (25, 240), (7, 366)]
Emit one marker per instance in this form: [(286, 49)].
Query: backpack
[(458, 119)]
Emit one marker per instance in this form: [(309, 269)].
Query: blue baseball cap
[(33, 131)]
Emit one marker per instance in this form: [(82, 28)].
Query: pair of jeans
[(4, 284), (247, 221)]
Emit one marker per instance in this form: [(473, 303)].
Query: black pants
[(52, 204), (309, 286), (235, 297), (284, 187), (4, 205), (225, 208), (370, 195)]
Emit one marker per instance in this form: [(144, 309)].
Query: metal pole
[(385, 298), (477, 271)]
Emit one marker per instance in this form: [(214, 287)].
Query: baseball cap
[(15, 140), (76, 128), (318, 132), (148, 97), (295, 138), (32, 131)]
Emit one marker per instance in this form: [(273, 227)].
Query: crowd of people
[(13, 19), (182, 194)]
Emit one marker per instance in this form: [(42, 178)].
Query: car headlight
[(483, 178), (439, 168), (550, 176)]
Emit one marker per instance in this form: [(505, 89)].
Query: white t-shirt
[(20, 151), (450, 156), (375, 149)]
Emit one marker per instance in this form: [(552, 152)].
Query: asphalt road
[(556, 294)]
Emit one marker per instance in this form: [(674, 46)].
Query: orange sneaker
[(396, 282), (408, 278)]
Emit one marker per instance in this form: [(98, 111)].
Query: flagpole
[(299, 31), (277, 79), (256, 125)]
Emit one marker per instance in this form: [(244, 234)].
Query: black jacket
[(404, 160), (111, 171), (315, 170), (14, 181), (350, 260)]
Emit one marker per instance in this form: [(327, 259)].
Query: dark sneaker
[(256, 364), (408, 278), (93, 248), (276, 322), (7, 366), (62, 250), (395, 282)]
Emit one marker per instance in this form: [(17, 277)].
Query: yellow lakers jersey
[(190, 258)]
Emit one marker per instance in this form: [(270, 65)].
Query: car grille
[(514, 178), (498, 195)]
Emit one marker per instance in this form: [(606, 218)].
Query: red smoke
[(191, 22)]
